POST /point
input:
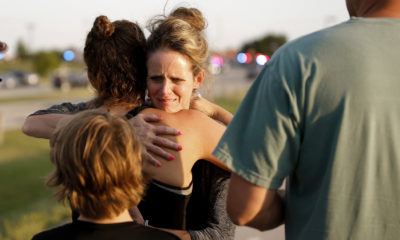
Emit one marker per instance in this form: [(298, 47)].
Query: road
[(232, 80), (13, 114)]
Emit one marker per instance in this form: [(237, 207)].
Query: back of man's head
[(98, 159)]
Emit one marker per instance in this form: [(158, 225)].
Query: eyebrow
[(156, 76)]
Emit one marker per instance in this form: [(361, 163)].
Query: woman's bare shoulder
[(185, 113)]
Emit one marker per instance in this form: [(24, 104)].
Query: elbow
[(238, 221), (241, 220), (26, 128), (264, 219), (237, 217)]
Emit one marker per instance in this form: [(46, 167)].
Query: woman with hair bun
[(176, 56)]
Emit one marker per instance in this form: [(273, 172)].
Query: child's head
[(98, 164)]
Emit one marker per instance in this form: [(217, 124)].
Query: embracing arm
[(209, 132), (42, 126), (254, 206), (212, 110), (42, 123)]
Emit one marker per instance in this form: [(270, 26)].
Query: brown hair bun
[(102, 27)]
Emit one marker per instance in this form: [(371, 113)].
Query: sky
[(63, 24)]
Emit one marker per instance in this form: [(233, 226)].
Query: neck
[(381, 9), (123, 217), (120, 108), (385, 13)]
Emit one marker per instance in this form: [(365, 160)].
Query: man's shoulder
[(316, 39), (60, 232), (154, 233), (101, 231)]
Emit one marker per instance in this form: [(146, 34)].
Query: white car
[(15, 78)]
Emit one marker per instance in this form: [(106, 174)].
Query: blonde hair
[(98, 164), (181, 31)]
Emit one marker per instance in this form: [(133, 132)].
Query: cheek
[(151, 88), (185, 93)]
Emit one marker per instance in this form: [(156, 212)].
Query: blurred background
[(43, 66)]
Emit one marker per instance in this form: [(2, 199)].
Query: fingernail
[(171, 157), (159, 165), (179, 133), (179, 148)]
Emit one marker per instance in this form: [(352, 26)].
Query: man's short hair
[(98, 164)]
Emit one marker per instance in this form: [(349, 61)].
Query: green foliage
[(45, 62), (267, 45), (22, 50), (15, 64)]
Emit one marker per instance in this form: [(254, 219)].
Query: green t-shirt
[(325, 112)]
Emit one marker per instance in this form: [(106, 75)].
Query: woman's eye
[(178, 80)]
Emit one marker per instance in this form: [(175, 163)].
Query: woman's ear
[(198, 80)]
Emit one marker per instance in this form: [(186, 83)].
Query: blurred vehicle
[(70, 80), (252, 70), (16, 78)]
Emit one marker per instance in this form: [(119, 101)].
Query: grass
[(27, 206), (230, 102)]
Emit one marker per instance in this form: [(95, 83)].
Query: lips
[(167, 101)]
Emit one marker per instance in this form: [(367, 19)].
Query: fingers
[(164, 142), (159, 152), (152, 160), (165, 130), (150, 117)]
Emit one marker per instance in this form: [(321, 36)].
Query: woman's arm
[(42, 123), (209, 132), (212, 110), (42, 126)]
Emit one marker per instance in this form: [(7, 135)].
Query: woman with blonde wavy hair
[(176, 63)]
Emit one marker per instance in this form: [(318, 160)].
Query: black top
[(206, 216), (164, 206), (80, 230)]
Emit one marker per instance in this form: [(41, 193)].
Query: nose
[(166, 87)]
